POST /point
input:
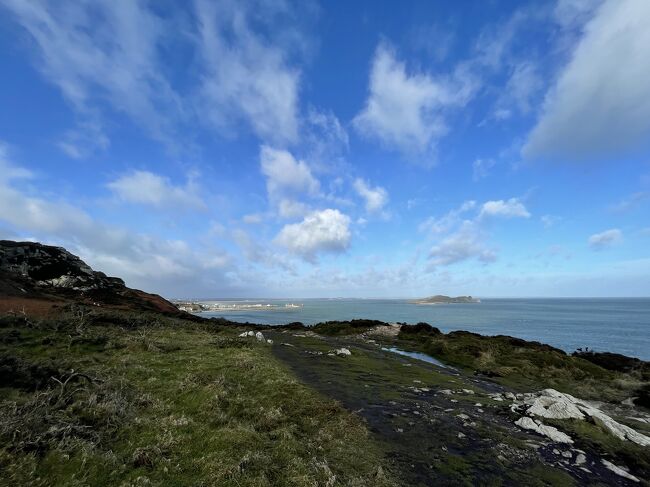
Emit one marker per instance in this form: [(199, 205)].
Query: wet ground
[(437, 425)]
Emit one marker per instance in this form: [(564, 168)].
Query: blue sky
[(364, 149)]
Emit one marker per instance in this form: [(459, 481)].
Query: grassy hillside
[(138, 399)]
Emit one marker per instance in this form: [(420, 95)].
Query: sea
[(620, 325)]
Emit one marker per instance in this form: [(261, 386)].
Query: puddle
[(419, 356)]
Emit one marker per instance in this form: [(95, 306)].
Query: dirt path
[(437, 426)]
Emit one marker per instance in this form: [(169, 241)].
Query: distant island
[(440, 299), (108, 384)]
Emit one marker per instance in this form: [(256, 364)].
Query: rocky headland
[(105, 385)]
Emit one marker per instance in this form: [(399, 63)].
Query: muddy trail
[(437, 426)]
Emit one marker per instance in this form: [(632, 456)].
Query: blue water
[(612, 324), (417, 355)]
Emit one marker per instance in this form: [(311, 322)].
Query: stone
[(251, 333), (259, 337), (619, 471), (269, 341), (242, 335), (549, 431), (343, 352), (553, 404), (580, 459)]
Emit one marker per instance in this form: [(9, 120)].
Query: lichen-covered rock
[(49, 266), (549, 431), (553, 404)]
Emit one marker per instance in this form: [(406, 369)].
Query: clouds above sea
[(265, 147)]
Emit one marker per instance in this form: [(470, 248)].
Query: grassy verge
[(124, 399), (526, 365)]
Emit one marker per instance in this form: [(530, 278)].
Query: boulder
[(619, 471), (259, 337), (549, 431), (553, 404)]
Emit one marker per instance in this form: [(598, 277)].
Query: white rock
[(619, 471), (342, 351), (259, 336), (552, 404), (242, 335), (269, 341), (251, 333), (580, 459), (468, 391), (462, 416), (446, 392), (549, 431)]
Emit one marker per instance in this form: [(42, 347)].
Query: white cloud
[(149, 262), (97, 52), (321, 231), (445, 223), (288, 208), (603, 240), (375, 198), (247, 76), (285, 174), (466, 243), (253, 218), (8, 171), (631, 202), (522, 86), (256, 253), (600, 104), (570, 14), (407, 110), (147, 188), (549, 220), (506, 208), (481, 168)]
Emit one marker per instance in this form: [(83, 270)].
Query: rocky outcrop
[(550, 432), (32, 274), (553, 404), (48, 266)]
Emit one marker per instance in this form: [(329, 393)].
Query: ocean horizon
[(618, 325)]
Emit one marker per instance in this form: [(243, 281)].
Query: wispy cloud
[(247, 76), (601, 102), (512, 208), (147, 188), (606, 239), (406, 109), (375, 198), (102, 52)]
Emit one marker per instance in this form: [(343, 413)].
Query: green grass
[(168, 402), (525, 365)]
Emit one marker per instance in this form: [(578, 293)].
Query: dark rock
[(420, 329), (32, 274), (612, 361)]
